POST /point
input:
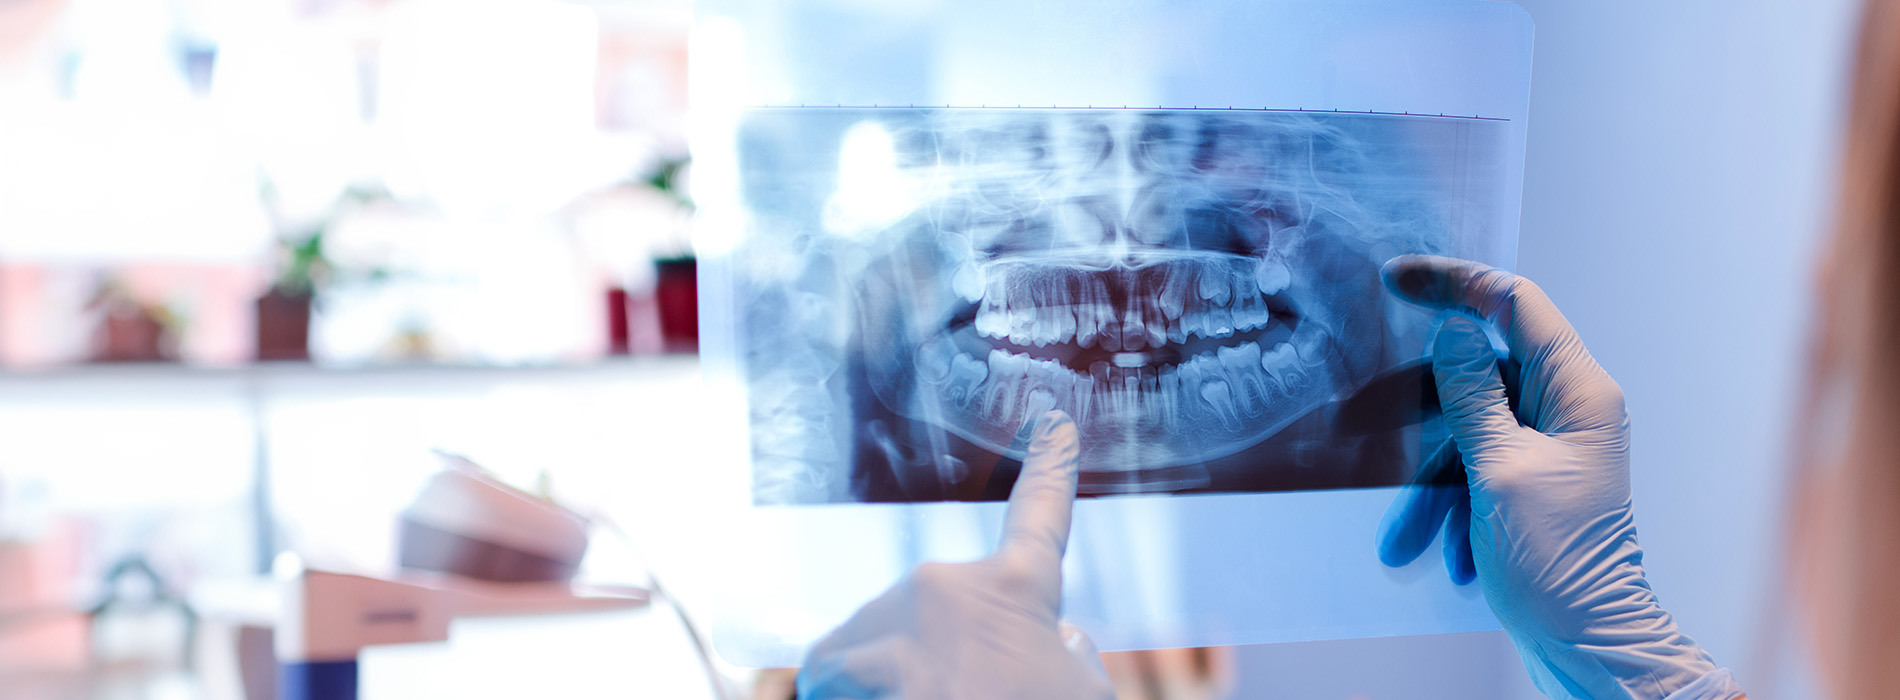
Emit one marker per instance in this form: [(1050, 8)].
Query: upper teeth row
[(1032, 306), (1101, 325)]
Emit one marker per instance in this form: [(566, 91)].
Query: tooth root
[(1064, 323), (1131, 393), (1210, 285), (1284, 365), (1083, 399), (1167, 398), (1029, 322), (1174, 293), (1271, 276), (1273, 379), (1221, 399), (1090, 298), (1077, 393), (966, 375), (1107, 326), (1101, 393), (1061, 293), (1086, 325), (1292, 378), (1155, 323), (1045, 331)]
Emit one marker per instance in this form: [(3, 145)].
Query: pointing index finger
[(1036, 526)]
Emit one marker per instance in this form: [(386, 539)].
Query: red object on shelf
[(129, 332), (619, 328), (678, 297), (283, 326)]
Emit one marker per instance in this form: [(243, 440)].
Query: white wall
[(1678, 181)]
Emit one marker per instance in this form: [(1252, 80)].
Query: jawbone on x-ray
[(1198, 289)]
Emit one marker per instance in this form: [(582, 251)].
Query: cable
[(717, 681), (721, 690)]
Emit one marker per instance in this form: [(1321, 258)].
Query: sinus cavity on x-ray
[(1198, 288)]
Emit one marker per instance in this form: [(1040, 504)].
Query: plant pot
[(283, 326), (677, 294)]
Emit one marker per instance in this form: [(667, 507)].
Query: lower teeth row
[(1230, 386)]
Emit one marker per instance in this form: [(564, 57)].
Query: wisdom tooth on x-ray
[(1198, 289)]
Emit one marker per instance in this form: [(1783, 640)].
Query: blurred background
[(259, 257)]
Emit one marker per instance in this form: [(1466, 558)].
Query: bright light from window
[(718, 85), (488, 105)]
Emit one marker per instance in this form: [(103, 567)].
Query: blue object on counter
[(317, 680)]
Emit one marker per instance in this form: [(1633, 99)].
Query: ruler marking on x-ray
[(1138, 108)]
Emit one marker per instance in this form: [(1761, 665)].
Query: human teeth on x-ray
[(1198, 289)]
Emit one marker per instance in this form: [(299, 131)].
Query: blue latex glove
[(1545, 524), (983, 629)]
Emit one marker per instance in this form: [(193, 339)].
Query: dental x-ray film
[(1199, 289), (924, 227)]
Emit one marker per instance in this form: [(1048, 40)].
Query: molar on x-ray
[(1198, 289)]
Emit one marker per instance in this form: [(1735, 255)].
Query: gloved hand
[(1545, 523), (979, 630)]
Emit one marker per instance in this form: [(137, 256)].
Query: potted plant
[(676, 291), (283, 312)]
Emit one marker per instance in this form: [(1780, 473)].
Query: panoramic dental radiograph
[(1198, 288)]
